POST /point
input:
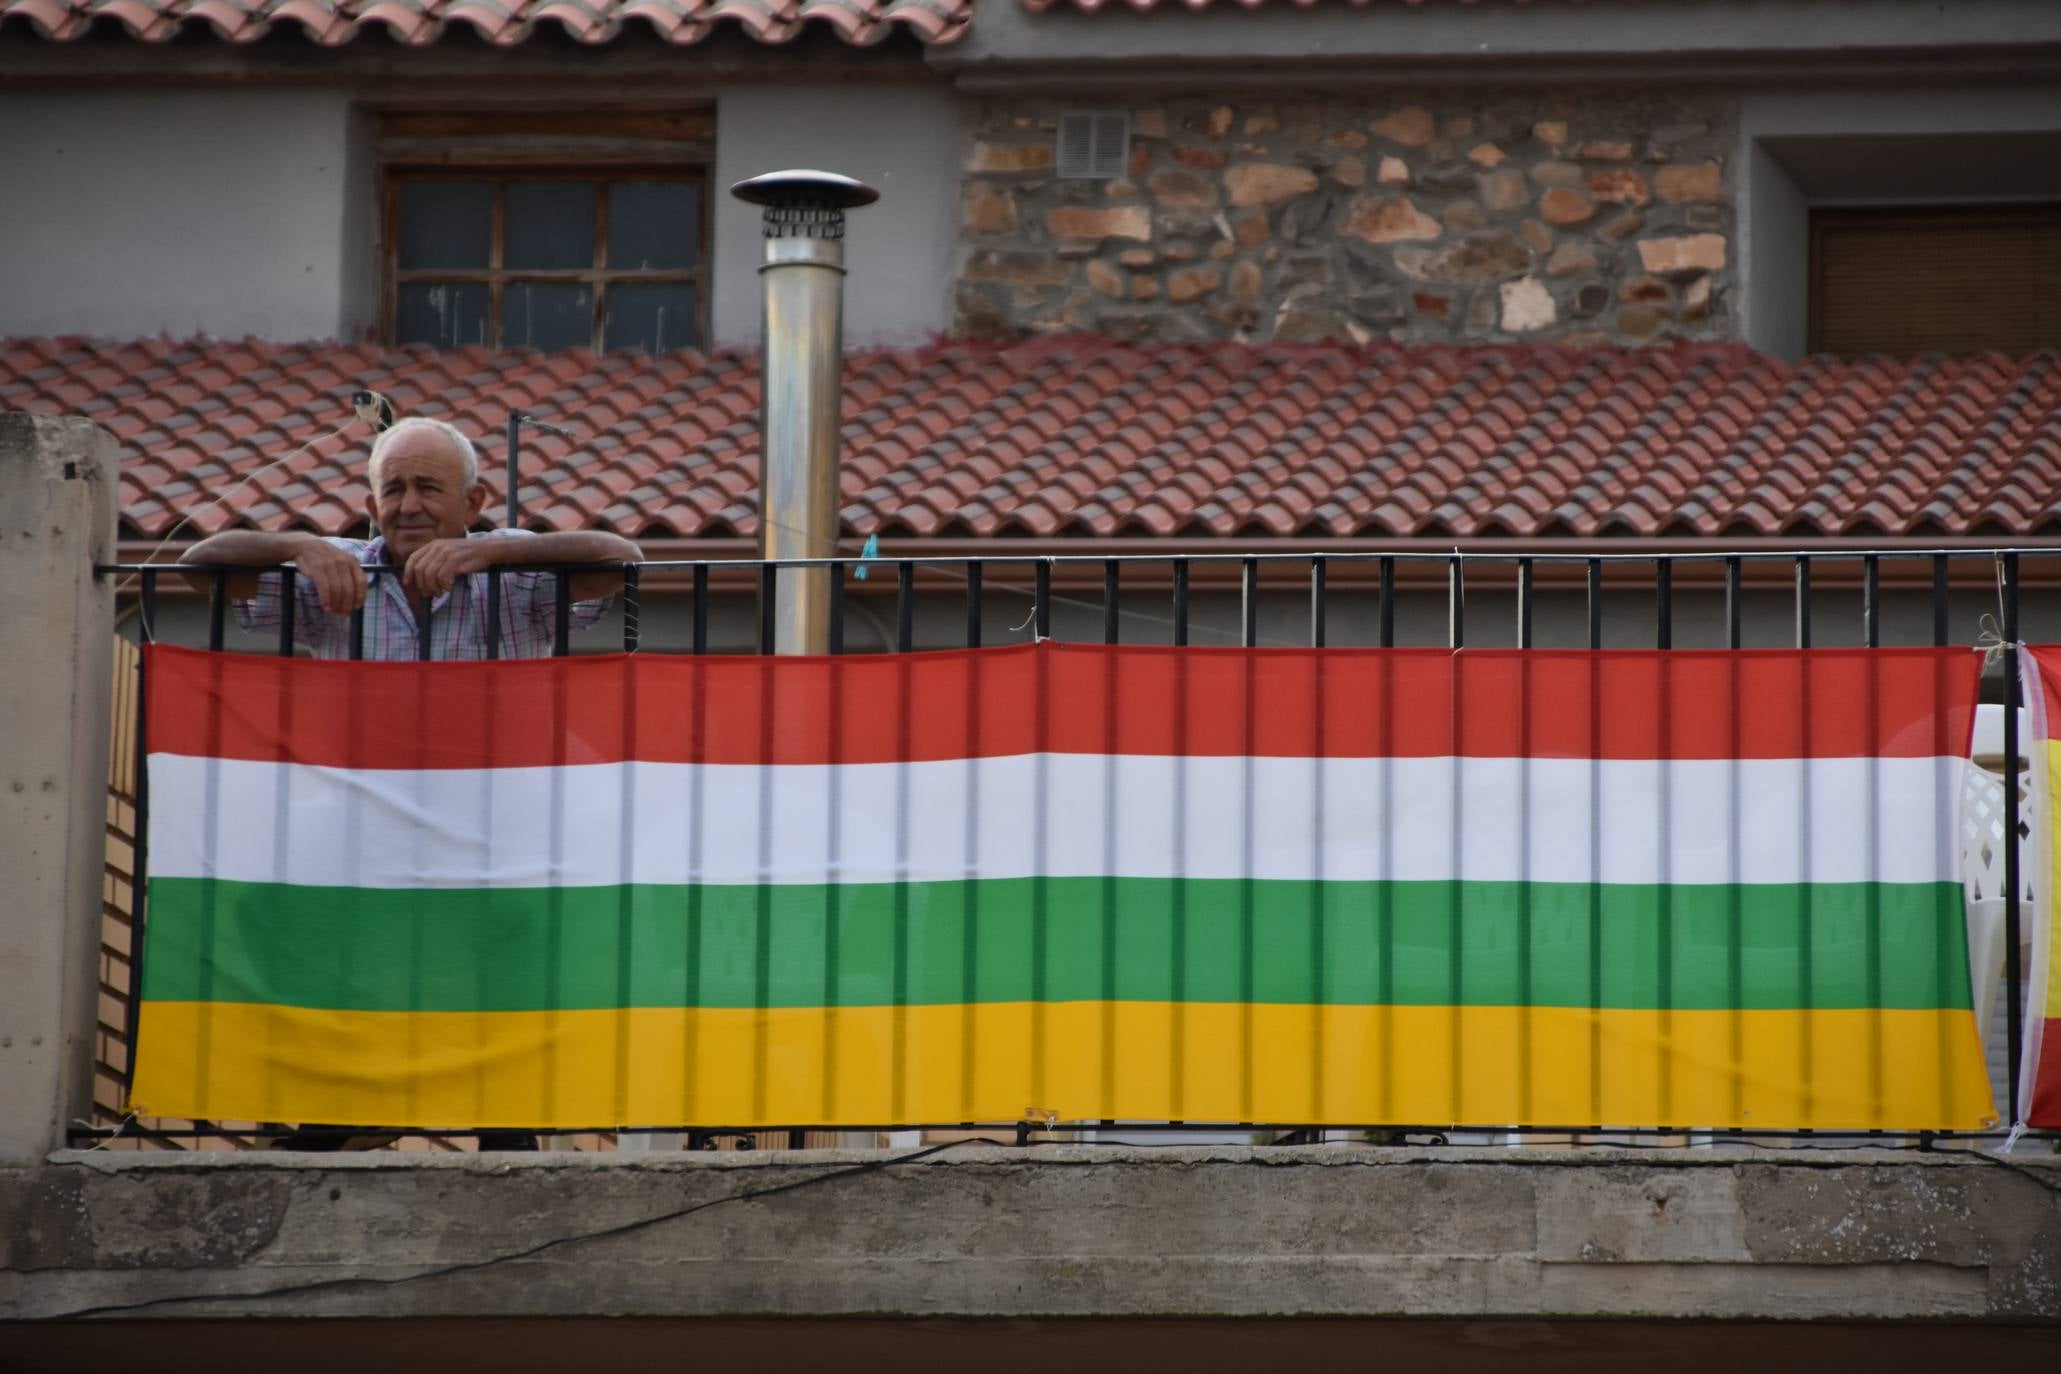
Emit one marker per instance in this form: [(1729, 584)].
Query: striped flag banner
[(1325, 886), (2039, 1078)]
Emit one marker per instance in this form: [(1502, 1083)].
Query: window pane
[(444, 224), (653, 224), (550, 224), (547, 315), (446, 314), (654, 317)]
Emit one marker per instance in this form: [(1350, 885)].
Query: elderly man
[(426, 493)]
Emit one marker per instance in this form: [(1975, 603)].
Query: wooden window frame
[(501, 148), (1901, 217)]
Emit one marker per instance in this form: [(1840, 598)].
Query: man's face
[(419, 493)]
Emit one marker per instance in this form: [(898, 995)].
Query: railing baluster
[(1316, 603), (1732, 607), (2014, 1026), (1939, 599), (218, 606), (700, 640), (1386, 626), (1524, 581), (289, 592), (769, 607), (1112, 630), (973, 604), (1595, 603), (1456, 603), (836, 575), (1803, 601), (1041, 599), (493, 614), (1871, 601), (357, 649), (1663, 603), (1248, 603), (905, 606), (1180, 601), (561, 621), (631, 629)]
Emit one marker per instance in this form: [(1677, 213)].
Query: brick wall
[(1481, 217)]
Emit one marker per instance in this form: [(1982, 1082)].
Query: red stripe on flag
[(2045, 1108), (1630, 704), (2048, 661)]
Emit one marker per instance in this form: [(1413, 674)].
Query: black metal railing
[(1115, 590)]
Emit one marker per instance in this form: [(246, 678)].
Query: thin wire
[(473, 1266), (150, 558), (128, 1120), (2042, 1177)]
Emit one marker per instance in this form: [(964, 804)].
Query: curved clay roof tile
[(989, 438)]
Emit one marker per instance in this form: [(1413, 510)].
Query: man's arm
[(337, 578), (435, 566)]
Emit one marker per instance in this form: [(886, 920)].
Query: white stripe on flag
[(1887, 820)]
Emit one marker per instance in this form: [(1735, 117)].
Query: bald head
[(416, 432), (425, 485)]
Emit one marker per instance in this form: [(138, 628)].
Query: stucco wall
[(223, 212), (903, 140), (254, 211)]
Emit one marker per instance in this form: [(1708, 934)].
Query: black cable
[(2045, 1179), (470, 1266)]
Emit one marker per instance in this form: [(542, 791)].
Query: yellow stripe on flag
[(655, 1066), (2045, 1003)]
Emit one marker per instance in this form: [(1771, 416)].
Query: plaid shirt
[(458, 618)]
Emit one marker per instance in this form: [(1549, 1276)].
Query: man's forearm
[(248, 549), (244, 549), (577, 546)]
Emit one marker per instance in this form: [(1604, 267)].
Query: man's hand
[(433, 568), (339, 579)]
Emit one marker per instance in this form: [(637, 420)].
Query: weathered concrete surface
[(57, 514), (1061, 1232)]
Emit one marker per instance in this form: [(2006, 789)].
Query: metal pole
[(515, 419), (801, 411), (802, 381)]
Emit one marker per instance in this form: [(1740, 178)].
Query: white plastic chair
[(1982, 877)]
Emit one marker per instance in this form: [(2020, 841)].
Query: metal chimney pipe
[(801, 388)]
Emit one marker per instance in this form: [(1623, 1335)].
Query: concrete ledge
[(1337, 1231)]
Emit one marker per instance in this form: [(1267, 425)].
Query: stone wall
[(1578, 218)]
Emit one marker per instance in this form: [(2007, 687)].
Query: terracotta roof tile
[(419, 22), (1079, 437)]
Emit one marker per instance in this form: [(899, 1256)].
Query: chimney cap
[(801, 186)]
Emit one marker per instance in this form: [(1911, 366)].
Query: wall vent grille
[(1094, 145)]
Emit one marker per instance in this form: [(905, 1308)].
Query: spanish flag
[(1329, 886)]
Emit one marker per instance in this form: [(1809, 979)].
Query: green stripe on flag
[(496, 950)]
